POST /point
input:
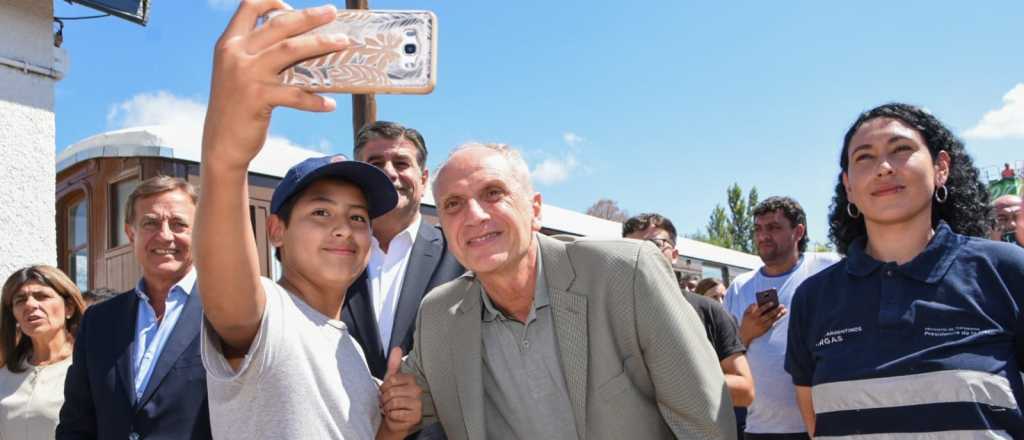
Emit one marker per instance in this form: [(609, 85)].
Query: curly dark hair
[(791, 209), (646, 220), (965, 210)]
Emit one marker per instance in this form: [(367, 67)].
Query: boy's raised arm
[(244, 91)]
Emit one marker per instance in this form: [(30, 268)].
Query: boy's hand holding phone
[(246, 87)]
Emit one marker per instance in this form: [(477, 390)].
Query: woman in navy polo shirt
[(917, 332)]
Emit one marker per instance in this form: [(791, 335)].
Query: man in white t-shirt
[(780, 234), (280, 362)]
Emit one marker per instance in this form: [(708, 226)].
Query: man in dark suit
[(137, 372), (408, 256)]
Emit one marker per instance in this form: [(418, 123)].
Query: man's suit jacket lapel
[(125, 334), (185, 331), (569, 313), (423, 259), (360, 309), (465, 346)]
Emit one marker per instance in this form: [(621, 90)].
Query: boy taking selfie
[(280, 362)]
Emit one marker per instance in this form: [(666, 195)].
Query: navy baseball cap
[(377, 187)]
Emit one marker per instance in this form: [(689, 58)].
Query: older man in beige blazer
[(548, 339)]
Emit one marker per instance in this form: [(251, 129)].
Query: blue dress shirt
[(150, 334)]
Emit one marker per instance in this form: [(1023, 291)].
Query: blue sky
[(659, 106)]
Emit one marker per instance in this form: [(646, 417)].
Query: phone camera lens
[(410, 49)]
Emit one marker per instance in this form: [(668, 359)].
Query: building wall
[(27, 133)]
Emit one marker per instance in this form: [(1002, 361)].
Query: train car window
[(711, 270), (77, 253), (119, 192)]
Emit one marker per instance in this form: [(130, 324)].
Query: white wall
[(27, 133)]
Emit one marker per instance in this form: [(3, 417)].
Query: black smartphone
[(767, 299)]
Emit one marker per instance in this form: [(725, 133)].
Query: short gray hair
[(520, 171)]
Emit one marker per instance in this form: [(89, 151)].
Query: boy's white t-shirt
[(304, 377)]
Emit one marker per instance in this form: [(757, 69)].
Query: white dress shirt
[(385, 276)]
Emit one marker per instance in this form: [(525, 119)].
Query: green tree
[(732, 228), (741, 220), (718, 231), (817, 246)]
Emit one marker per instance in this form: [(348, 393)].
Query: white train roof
[(569, 221), (163, 141), (278, 155), (577, 223)]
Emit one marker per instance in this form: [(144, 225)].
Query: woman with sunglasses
[(917, 332)]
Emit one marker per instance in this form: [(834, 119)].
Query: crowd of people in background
[(385, 326)]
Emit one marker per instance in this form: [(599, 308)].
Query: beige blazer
[(636, 360)]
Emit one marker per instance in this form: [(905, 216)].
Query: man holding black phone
[(760, 301)]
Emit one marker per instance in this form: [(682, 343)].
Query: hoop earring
[(851, 210), (945, 194)]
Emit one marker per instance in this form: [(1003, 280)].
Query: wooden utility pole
[(364, 107)]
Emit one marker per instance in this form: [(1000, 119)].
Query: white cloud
[(555, 170), (572, 139), (558, 169), (1006, 122), (274, 142), (182, 116), (223, 5), (160, 107)]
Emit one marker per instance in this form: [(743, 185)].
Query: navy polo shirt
[(931, 346)]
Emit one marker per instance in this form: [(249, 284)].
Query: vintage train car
[(96, 175)]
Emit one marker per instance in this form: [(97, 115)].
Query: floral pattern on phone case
[(389, 52)]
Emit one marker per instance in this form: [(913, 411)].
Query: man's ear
[(536, 203), (130, 232), (800, 231), (276, 229)]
